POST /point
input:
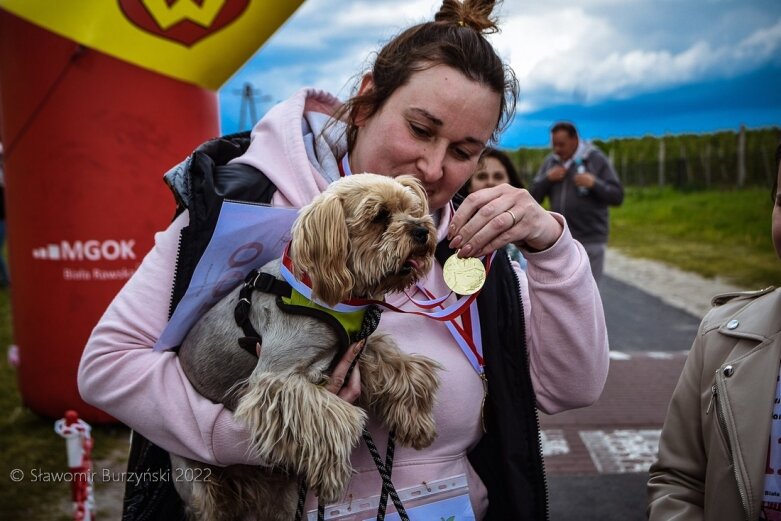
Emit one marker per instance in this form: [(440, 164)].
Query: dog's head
[(365, 236)]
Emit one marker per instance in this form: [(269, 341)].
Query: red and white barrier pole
[(79, 445)]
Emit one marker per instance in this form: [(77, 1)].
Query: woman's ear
[(367, 85)]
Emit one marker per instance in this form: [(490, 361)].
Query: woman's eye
[(420, 131), (461, 154)]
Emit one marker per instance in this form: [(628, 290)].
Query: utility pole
[(249, 105)]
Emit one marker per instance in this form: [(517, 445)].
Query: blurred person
[(436, 95), (495, 168), (581, 184), (720, 448)]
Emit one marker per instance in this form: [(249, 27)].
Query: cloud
[(336, 75), (327, 45), (570, 55), (319, 24), (565, 53)]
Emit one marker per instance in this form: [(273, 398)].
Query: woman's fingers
[(352, 390), (491, 218), (340, 376), (483, 220)]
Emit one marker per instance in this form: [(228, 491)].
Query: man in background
[(581, 184)]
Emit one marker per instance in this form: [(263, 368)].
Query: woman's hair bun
[(469, 13)]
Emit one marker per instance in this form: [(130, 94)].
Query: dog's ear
[(320, 247), (416, 186)]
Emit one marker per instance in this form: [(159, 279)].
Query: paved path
[(639, 321), (597, 458), (677, 288)]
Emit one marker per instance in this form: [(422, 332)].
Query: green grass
[(713, 233), (28, 441)]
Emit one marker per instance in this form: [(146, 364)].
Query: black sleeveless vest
[(508, 458)]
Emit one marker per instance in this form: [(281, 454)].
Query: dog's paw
[(407, 407), (327, 466), (330, 487), (418, 432), (302, 428)]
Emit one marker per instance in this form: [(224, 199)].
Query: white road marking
[(553, 442), (622, 451)]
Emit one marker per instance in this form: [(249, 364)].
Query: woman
[(495, 168), (436, 96), (720, 448)]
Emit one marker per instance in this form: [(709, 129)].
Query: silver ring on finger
[(515, 221)]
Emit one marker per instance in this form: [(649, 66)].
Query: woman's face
[(491, 172), (434, 127)]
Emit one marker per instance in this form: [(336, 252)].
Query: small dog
[(365, 236)]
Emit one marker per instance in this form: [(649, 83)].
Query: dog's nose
[(420, 234)]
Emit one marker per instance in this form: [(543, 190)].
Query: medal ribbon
[(451, 312), (304, 287), (344, 166), (445, 314), (467, 334)]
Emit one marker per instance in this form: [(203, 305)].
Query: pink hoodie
[(147, 390)]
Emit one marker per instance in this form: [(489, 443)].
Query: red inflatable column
[(87, 138)]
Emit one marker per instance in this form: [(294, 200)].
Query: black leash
[(385, 473), (384, 469)]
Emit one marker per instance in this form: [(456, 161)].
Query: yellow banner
[(197, 41)]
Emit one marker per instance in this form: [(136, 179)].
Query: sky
[(615, 68)]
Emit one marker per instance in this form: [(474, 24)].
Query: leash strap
[(302, 489), (389, 452), (385, 474)]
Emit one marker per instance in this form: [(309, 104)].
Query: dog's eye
[(382, 217)]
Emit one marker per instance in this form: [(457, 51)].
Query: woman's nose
[(430, 164)]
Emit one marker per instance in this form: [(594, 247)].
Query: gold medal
[(464, 276)]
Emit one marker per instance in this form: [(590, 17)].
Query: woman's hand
[(491, 218), (351, 390)]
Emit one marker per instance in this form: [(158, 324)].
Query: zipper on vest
[(171, 305), (253, 203), (546, 505), (722, 423)]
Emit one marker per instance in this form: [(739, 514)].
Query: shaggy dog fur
[(366, 235)]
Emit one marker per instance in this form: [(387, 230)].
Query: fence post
[(742, 156), (661, 161), (766, 164), (684, 174), (625, 169), (706, 164)]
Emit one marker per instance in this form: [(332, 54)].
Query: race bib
[(442, 500)]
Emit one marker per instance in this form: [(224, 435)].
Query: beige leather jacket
[(713, 447)]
